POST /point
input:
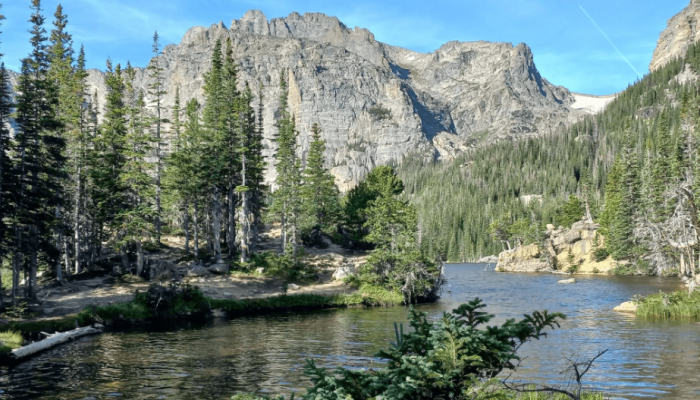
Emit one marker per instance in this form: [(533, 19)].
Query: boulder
[(567, 281), (292, 286), (551, 227), (343, 272), (628, 307), (220, 268), (155, 268), (522, 259), (198, 270)]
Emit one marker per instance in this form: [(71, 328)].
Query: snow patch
[(590, 103)]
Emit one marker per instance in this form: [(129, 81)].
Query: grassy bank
[(675, 305), (9, 341), (190, 302)]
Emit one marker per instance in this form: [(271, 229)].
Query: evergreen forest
[(635, 165)]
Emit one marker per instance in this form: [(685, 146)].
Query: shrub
[(379, 113), (446, 360), (601, 254)]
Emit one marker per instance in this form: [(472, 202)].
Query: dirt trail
[(56, 300)]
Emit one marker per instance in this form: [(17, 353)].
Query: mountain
[(375, 102), (681, 32)]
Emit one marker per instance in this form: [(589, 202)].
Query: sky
[(588, 46)]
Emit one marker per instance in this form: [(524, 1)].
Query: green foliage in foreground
[(675, 305), (10, 340), (453, 359), (500, 394)]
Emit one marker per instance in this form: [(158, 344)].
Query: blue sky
[(568, 48)]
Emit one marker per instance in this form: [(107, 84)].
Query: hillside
[(458, 200)]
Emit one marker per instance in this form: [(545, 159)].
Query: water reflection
[(267, 353)]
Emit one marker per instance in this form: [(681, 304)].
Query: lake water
[(267, 353)]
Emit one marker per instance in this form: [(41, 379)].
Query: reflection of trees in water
[(268, 352)]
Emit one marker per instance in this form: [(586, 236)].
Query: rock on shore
[(579, 242)]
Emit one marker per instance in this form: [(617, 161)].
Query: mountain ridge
[(375, 102)]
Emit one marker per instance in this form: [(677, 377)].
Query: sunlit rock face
[(681, 32), (376, 103)]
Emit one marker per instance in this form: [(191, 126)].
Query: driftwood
[(53, 340)]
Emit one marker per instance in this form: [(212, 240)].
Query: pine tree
[(256, 171), (133, 221), (216, 129), (39, 153), (247, 133), (320, 195), (156, 91), (5, 110), (620, 238), (286, 206), (68, 81), (107, 156), (185, 178)]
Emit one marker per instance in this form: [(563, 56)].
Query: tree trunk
[(195, 216), (139, 258), (76, 224), (125, 259), (231, 220), (216, 224), (186, 227), (59, 245), (16, 265), (51, 341), (158, 173), (32, 284), (245, 227)]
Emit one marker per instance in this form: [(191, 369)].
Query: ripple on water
[(267, 353)]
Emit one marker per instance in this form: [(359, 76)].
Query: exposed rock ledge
[(578, 241)]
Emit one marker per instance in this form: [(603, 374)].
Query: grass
[(191, 301), (675, 305), (9, 341)]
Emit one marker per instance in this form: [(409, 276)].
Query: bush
[(282, 266), (601, 254), (446, 360), (379, 113), (408, 273)]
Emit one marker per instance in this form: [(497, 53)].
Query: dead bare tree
[(575, 372), (673, 241)]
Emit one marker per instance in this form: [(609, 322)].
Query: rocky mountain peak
[(681, 32), (375, 103)]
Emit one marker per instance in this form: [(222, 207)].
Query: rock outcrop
[(522, 259), (681, 32), (562, 246), (376, 103)]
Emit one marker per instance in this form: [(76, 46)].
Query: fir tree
[(39, 151), (320, 195), (216, 129), (286, 206), (156, 91)]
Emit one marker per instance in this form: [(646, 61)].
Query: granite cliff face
[(681, 32), (376, 103)]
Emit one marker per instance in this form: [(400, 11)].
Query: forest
[(85, 184), (635, 165)]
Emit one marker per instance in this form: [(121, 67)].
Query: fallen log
[(53, 340)]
